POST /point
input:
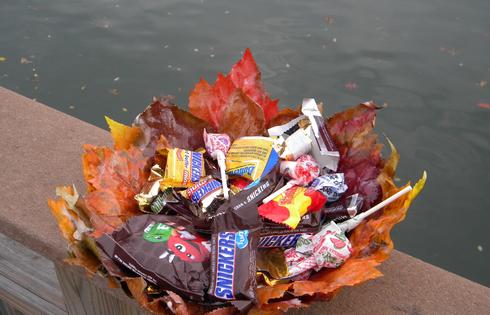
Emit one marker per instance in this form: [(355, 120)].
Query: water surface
[(429, 61)]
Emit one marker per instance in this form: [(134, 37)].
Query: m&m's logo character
[(180, 243)]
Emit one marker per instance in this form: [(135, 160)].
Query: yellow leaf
[(123, 136)]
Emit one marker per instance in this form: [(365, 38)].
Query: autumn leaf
[(113, 178), (360, 152), (65, 217), (137, 287), (245, 74), (122, 135), (83, 257), (242, 117), (284, 116), (180, 128), (209, 102)]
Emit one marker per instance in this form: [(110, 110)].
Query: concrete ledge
[(41, 147)]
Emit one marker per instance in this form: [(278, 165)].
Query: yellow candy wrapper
[(251, 157), (184, 168)]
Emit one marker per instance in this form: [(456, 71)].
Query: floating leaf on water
[(329, 19), (351, 86), (25, 61), (484, 105), (482, 83)]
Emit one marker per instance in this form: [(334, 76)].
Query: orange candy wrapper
[(236, 104)]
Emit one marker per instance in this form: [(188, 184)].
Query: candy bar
[(184, 168), (204, 192), (341, 211)]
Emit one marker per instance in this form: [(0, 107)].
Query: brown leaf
[(176, 304), (284, 116), (84, 258), (242, 117), (283, 306), (229, 310), (180, 128), (264, 294)]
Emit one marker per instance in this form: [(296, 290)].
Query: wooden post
[(85, 296)]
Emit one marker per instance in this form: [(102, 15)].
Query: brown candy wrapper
[(343, 209), (163, 251), (234, 242)]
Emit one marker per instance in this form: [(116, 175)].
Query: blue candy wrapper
[(331, 185)]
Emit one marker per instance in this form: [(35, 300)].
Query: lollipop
[(217, 145), (330, 247), (302, 171)]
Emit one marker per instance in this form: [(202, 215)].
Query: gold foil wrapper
[(272, 262), (151, 189), (268, 280)]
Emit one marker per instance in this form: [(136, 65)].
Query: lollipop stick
[(350, 224), (222, 169), (278, 192)]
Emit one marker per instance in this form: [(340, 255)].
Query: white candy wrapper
[(329, 248), (323, 148)]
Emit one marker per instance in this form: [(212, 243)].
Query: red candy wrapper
[(329, 248), (303, 171), (288, 207), (217, 145), (238, 184)]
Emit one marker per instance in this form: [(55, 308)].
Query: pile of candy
[(230, 212)]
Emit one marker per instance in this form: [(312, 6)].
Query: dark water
[(428, 60)]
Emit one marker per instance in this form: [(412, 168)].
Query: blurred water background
[(429, 61)]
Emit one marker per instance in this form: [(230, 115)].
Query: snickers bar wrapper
[(276, 235), (235, 240)]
